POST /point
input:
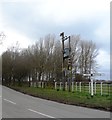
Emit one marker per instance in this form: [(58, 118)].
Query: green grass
[(74, 98)]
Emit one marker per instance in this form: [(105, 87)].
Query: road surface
[(19, 105)]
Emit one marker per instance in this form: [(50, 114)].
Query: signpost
[(91, 77)]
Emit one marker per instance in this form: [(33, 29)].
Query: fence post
[(76, 86), (95, 87), (101, 88), (55, 85), (72, 86), (80, 86), (108, 89), (42, 84), (39, 84), (89, 87), (60, 85), (66, 85)]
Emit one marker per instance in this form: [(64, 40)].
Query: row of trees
[(43, 60)]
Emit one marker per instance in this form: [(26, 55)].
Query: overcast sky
[(27, 21)]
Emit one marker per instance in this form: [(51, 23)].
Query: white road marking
[(41, 113), (10, 101)]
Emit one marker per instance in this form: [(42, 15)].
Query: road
[(18, 105)]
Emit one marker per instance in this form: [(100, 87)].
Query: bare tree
[(43, 60), (6, 68), (57, 60), (88, 53), (49, 50), (75, 39)]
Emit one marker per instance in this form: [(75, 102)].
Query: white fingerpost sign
[(91, 87)]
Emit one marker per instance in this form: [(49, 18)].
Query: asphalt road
[(18, 105)]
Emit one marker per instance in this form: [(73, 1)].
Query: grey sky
[(29, 20)]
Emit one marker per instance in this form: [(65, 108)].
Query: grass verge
[(73, 98)]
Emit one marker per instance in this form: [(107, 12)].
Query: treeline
[(43, 60)]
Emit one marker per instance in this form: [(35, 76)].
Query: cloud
[(103, 59), (44, 15), (67, 11), (102, 34), (36, 18), (12, 37)]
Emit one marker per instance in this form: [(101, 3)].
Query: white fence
[(92, 88)]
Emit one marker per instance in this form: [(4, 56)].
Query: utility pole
[(65, 55), (69, 67), (63, 72)]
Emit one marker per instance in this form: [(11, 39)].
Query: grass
[(74, 98)]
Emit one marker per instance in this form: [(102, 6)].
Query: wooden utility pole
[(70, 65), (63, 72), (65, 54)]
